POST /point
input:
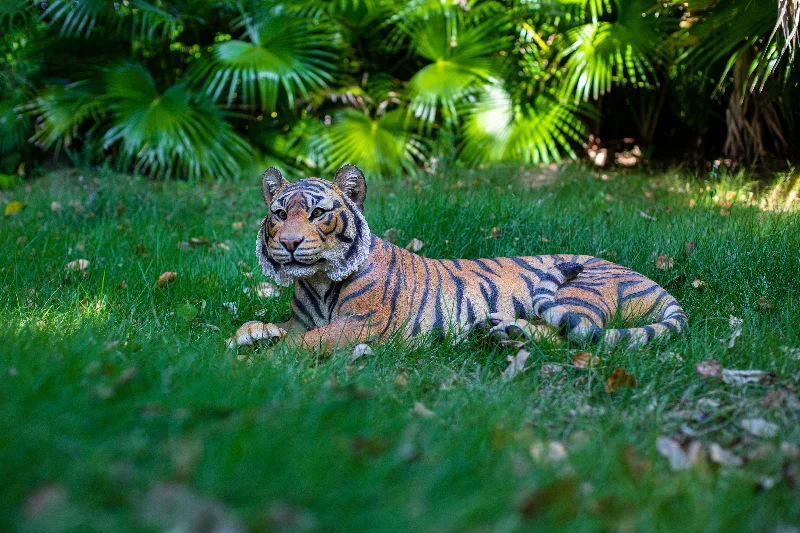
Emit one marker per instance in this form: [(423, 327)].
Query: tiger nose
[(291, 243)]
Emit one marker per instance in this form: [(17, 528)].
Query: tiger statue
[(353, 287)]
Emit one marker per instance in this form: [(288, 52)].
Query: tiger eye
[(317, 213), (281, 214)]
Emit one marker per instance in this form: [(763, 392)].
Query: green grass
[(113, 394)]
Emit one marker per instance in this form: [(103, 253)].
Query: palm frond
[(603, 54), (542, 130), (277, 52), (60, 111), (169, 133), (15, 127), (79, 17), (463, 51), (383, 145)]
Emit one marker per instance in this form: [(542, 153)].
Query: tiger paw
[(254, 332), (519, 331)]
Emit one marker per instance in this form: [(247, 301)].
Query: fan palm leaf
[(278, 52), (383, 145), (604, 53), (61, 110), (79, 17), (462, 50), (541, 130), (14, 126), (171, 132)]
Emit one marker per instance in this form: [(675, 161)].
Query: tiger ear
[(351, 182), (271, 183)]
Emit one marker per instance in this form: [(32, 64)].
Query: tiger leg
[(342, 332), (503, 328)]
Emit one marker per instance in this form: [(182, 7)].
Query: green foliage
[(462, 81)]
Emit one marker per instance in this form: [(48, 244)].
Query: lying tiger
[(352, 287)]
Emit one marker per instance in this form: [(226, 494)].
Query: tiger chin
[(351, 286)]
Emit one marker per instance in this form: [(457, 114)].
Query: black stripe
[(357, 293), (496, 261), (389, 272), (314, 301), (490, 297), (470, 312), (415, 329), (300, 312), (578, 302), (485, 267), (519, 308), (438, 322), (361, 273), (524, 265), (459, 283)]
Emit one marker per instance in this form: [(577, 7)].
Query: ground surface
[(121, 410)]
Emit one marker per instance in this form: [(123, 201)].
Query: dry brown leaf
[(77, 265), (199, 241), (222, 246), (585, 360), (421, 411), (619, 379), (173, 507), (664, 262), (690, 247), (709, 369), (544, 239), (415, 245), (700, 284), (764, 304), (759, 427), (267, 290), (166, 277), (496, 233), (122, 284), (55, 206), (359, 351), (517, 365), (237, 225)]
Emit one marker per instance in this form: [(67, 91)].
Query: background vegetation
[(205, 88)]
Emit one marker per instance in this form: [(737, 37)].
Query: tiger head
[(313, 226)]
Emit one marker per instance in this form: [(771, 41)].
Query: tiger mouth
[(297, 263)]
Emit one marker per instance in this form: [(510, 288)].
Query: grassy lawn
[(121, 410)]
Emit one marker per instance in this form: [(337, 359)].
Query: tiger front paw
[(255, 332), (520, 330)]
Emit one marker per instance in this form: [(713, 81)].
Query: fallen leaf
[(736, 330), (496, 233), (619, 379), (700, 284), (166, 277), (664, 262), (764, 304), (267, 290), (672, 451), (670, 357), (172, 507), (549, 369), (212, 327), (222, 246), (689, 247), (401, 380), (122, 284), (517, 365), (120, 209), (645, 215), (421, 411), (585, 360), (415, 245), (12, 208), (77, 265), (722, 456), (139, 249), (759, 427), (199, 241), (232, 307), (237, 225), (22, 239), (544, 240), (792, 353), (55, 206), (743, 377), (284, 517), (359, 351), (709, 369), (46, 498), (552, 451), (391, 234)]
